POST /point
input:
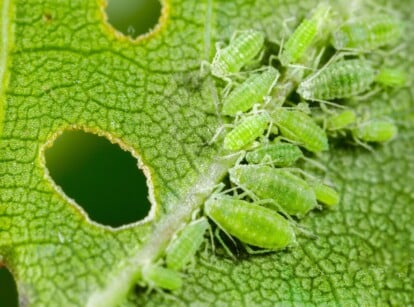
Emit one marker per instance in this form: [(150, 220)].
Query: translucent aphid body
[(391, 77), (342, 120), (375, 131), (183, 248), (298, 127), (367, 33), (159, 277), (250, 92), (242, 49), (341, 79), (325, 194), (303, 36), (250, 223), (278, 154), (289, 191), (246, 132)]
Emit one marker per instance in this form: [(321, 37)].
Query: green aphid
[(325, 194), (391, 77), (278, 154), (375, 130), (300, 128), (304, 36), (183, 248), (250, 92), (341, 121), (250, 223), (369, 33), (246, 132), (243, 47), (290, 192), (158, 277), (342, 79)]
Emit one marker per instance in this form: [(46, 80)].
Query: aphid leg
[(323, 103), (300, 171), (204, 67), (226, 248), (308, 233), (218, 132), (363, 144), (255, 252), (367, 95)]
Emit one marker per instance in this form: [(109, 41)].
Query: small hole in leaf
[(101, 177), (8, 290), (133, 17)]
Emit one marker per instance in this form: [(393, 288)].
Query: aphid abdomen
[(289, 191), (280, 154), (241, 50), (341, 79), (367, 33), (375, 131), (325, 194), (246, 132), (183, 248), (341, 120), (159, 277), (300, 128), (250, 92), (250, 223)]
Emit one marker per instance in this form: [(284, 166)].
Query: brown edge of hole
[(162, 22), (155, 208)]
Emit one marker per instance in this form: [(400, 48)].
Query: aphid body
[(183, 248), (246, 132), (242, 49), (298, 127), (325, 194), (391, 77), (290, 192), (341, 79), (250, 92), (250, 223), (341, 121), (375, 131), (158, 277), (303, 36), (279, 154), (367, 33)]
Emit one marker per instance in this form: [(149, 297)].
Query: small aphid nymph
[(301, 129), (289, 191), (304, 36), (243, 47), (391, 77), (158, 277), (341, 121), (375, 130), (250, 223), (325, 194), (367, 33), (250, 92), (342, 79), (183, 248), (277, 154), (246, 132)]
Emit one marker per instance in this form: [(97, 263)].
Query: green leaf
[(61, 67)]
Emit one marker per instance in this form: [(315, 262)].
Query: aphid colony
[(269, 192)]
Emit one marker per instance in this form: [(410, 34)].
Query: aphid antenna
[(367, 95), (300, 171), (324, 108), (314, 163)]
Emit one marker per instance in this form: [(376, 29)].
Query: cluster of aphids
[(269, 132)]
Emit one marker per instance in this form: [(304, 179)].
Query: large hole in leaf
[(8, 291), (133, 17), (101, 177)]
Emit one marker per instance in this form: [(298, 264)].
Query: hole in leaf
[(133, 17), (8, 290), (101, 177)]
